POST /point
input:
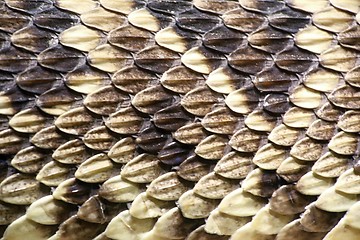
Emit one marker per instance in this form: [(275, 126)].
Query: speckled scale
[(249, 60), (13, 100), (353, 77), (289, 20), (125, 121), (30, 6), (48, 138), (99, 138), (57, 100), (197, 21), (16, 60), (151, 139), (77, 121), (275, 80), (55, 19), (194, 168), (224, 39), (328, 112), (171, 118), (216, 6), (346, 97), (33, 39), (10, 141), (243, 20), (221, 120), (172, 7), (11, 21), (38, 79), (295, 60), (61, 58), (130, 38), (191, 133), (262, 6), (156, 58), (174, 153)]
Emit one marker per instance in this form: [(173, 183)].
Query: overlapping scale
[(164, 119)]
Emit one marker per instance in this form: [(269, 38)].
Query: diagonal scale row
[(164, 119)]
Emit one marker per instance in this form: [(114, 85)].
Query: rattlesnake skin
[(179, 119)]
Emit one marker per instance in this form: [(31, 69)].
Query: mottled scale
[(328, 112), (130, 38), (289, 20), (181, 79), (57, 100), (261, 182), (202, 60), (72, 191), (269, 156), (191, 133), (234, 165), (331, 165), (245, 140), (200, 100), (345, 96), (242, 20), (61, 58), (167, 187), (4, 40), (48, 138), (125, 121), (224, 39), (307, 149), (276, 103), (53, 173), (283, 135), (195, 20), (295, 60), (249, 60), (109, 58), (174, 153), (243, 100), (194, 168), (95, 169), (34, 39), (171, 118), (30, 7), (123, 151), (99, 138), (212, 147), (29, 160), (12, 21), (221, 120), (262, 6), (344, 143), (71, 152), (118, 190), (152, 99), (339, 58), (16, 60), (37, 80), (156, 58), (268, 38), (350, 37), (353, 77), (193, 206), (30, 120), (12, 100), (321, 130), (10, 142), (216, 6), (86, 79), (294, 228), (76, 121), (102, 19), (55, 19), (10, 212), (292, 169), (176, 39), (274, 80)]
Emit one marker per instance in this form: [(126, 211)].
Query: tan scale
[(269, 157), (212, 147), (42, 138), (314, 39), (313, 184), (344, 143), (283, 135), (82, 7), (342, 231), (348, 182), (353, 77), (332, 19), (225, 80), (144, 206), (194, 206), (331, 165), (350, 121), (102, 19), (322, 80), (54, 173), (71, 152), (123, 150), (307, 149), (297, 117), (332, 200), (260, 120), (234, 165), (29, 160), (305, 98), (246, 140), (96, 169), (292, 169), (339, 58)]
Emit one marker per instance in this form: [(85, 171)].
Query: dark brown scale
[(295, 60), (345, 97), (224, 39), (105, 100), (33, 39), (11, 21), (61, 58), (151, 139), (60, 95), (289, 20), (249, 60), (74, 228), (242, 20), (292, 176), (48, 138), (328, 112), (15, 60), (10, 212), (287, 201), (269, 183), (173, 153), (4, 40), (197, 21), (171, 118), (194, 168), (351, 37), (275, 80), (317, 220), (262, 6), (157, 59), (192, 39), (172, 7), (181, 79), (130, 38), (216, 6), (75, 191), (55, 19), (270, 40), (38, 80), (29, 6), (297, 230), (99, 138), (6, 79), (98, 210), (152, 99), (11, 142), (4, 122), (134, 79)]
